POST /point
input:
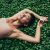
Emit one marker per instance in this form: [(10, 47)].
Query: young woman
[(8, 26)]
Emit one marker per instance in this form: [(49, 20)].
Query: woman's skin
[(22, 18)]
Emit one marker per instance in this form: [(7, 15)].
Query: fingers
[(44, 19), (40, 23)]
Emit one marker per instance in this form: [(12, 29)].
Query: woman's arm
[(19, 15), (28, 38), (36, 15), (20, 35), (23, 11), (33, 13)]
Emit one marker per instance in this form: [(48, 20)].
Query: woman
[(8, 26)]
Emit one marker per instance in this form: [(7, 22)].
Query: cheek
[(23, 19)]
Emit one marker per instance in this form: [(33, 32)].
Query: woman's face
[(24, 21)]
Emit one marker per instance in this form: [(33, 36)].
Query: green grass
[(41, 7)]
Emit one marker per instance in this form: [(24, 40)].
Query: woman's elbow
[(36, 41), (26, 9)]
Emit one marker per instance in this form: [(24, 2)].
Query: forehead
[(27, 15)]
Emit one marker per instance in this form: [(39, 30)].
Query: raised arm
[(33, 13), (28, 38), (20, 35), (23, 11), (36, 15), (20, 13)]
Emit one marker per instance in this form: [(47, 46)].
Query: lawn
[(41, 7)]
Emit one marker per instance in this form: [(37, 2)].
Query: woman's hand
[(40, 23), (44, 18)]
